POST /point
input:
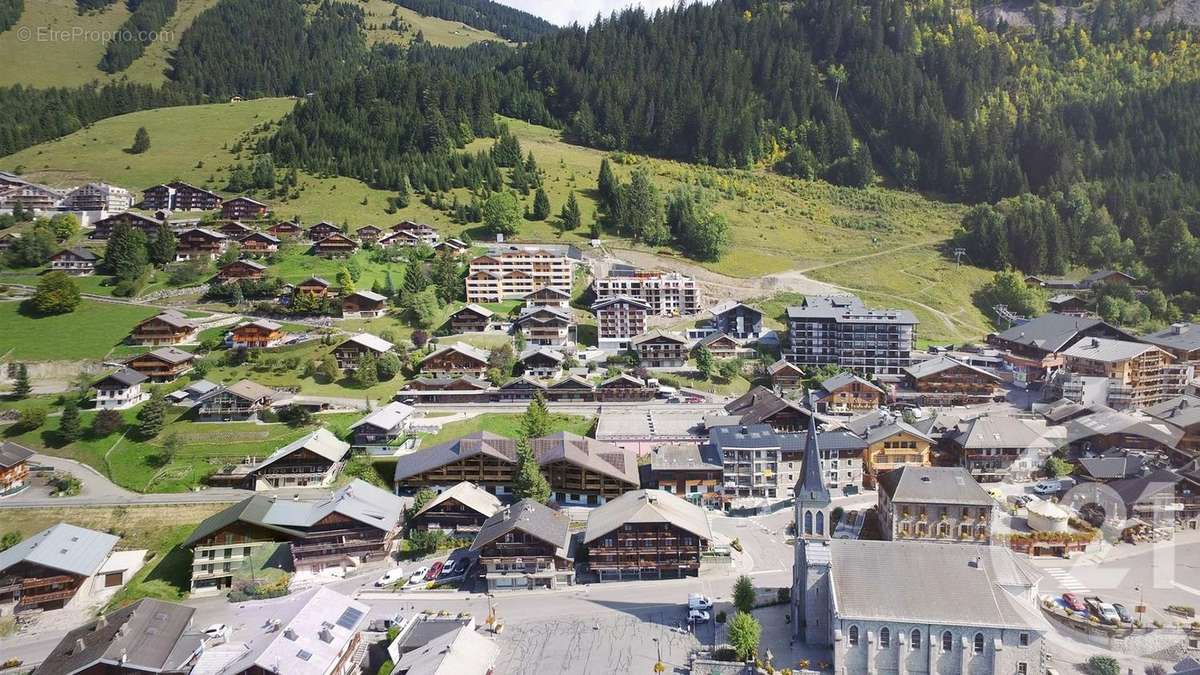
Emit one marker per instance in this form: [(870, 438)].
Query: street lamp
[(1141, 607)]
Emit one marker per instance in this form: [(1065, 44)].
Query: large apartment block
[(98, 197), (513, 274), (1132, 374), (840, 330), (667, 293)]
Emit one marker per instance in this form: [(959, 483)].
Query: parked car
[(418, 575), (1102, 610), (697, 601), (697, 616), (392, 576), (694, 399), (216, 630), (461, 565), (1047, 487), (434, 570), (1122, 613), (1073, 602)]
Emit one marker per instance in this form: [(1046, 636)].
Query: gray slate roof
[(148, 636), (1183, 336), (936, 365), (1108, 351), (371, 342), (125, 377), (462, 348), (388, 417), (320, 442), (532, 518), (934, 485), (468, 494), (171, 355), (1181, 411), (647, 506), (461, 651), (1112, 467), (1051, 332), (12, 454), (65, 547), (686, 457), (846, 378)]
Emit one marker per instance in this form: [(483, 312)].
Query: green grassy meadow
[(505, 424), (90, 332)]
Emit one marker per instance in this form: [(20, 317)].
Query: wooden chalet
[(336, 245), (76, 261), (14, 467), (314, 286), (661, 349), (785, 374), (624, 387), (285, 229), (1068, 305), (848, 393), (368, 234), (382, 427), (446, 390), (405, 239), (471, 319), (421, 232), (690, 470), (103, 228), (463, 507), (548, 297), (322, 230), (243, 208), (7, 239), (947, 381), (241, 400), (364, 305), (199, 242), (163, 364), (545, 326), (349, 352), (541, 362), (763, 406), (259, 333), (520, 389), (311, 461), (722, 346), (259, 243), (525, 546), (169, 328), (571, 388), (179, 196), (646, 534), (51, 568), (451, 247), (242, 269), (233, 229), (456, 359)]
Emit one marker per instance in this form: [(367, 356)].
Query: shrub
[(1103, 665), (30, 419)]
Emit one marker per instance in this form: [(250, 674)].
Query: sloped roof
[(623, 377), (942, 363), (528, 516), (846, 378), (759, 404), (172, 318), (1181, 411), (727, 305), (1183, 336), (65, 547), (783, 364), (688, 456), (149, 635), (713, 338), (468, 494), (481, 442), (934, 485), (1105, 422), (79, 252), (169, 355), (369, 295), (647, 506), (475, 309), (588, 453), (248, 390), (543, 315), (1141, 488), (315, 280), (266, 324), (247, 263), (1112, 466), (657, 334), (620, 299), (211, 234), (261, 235), (387, 417), (462, 348), (12, 454), (1052, 332), (125, 377), (998, 431), (1108, 351), (372, 342), (552, 354), (811, 486), (320, 442), (461, 651)]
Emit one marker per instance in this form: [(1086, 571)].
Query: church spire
[(811, 486)]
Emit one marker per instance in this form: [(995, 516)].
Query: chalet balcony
[(46, 581), (28, 601)]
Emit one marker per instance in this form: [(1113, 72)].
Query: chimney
[(1179, 328), (79, 646), (101, 623), (1095, 342), (325, 635), (290, 634)]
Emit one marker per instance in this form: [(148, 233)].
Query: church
[(908, 607)]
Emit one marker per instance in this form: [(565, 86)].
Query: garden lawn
[(90, 332), (506, 424)]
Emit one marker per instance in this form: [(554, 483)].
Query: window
[(820, 522), (947, 642), (1022, 668), (979, 643), (853, 636), (808, 525), (1023, 639), (885, 638), (915, 639)]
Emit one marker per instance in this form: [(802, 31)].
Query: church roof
[(811, 487)]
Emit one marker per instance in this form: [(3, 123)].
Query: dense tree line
[(10, 13), (91, 5), (136, 33), (507, 22), (269, 47)]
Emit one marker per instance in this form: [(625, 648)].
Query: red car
[(1073, 602), (434, 571)]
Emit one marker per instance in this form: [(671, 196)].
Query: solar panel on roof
[(303, 655), (349, 618)]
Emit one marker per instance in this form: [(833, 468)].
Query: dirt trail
[(718, 286)]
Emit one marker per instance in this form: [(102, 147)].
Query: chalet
[(383, 427), (580, 470), (471, 319), (571, 388), (355, 524), (406, 239), (150, 637), (1067, 305), (1032, 348), (31, 197), (451, 247), (545, 326), (456, 359), (661, 349), (994, 447), (169, 328), (737, 320), (525, 546), (847, 393), (76, 261), (7, 239), (785, 374), (103, 228), (692, 471), (259, 333), (541, 362), (1105, 429), (1181, 340), (625, 387), (364, 305), (349, 352), (762, 406), (721, 346), (259, 243), (314, 286), (891, 444), (1106, 277), (242, 269), (945, 381), (368, 234), (463, 507), (242, 400), (243, 208), (120, 390), (56, 566), (179, 196), (646, 534), (285, 229), (14, 467), (619, 319), (548, 297), (233, 229), (1183, 413), (1129, 374), (198, 242), (422, 232), (322, 230), (446, 390), (1111, 466), (163, 364), (311, 461), (335, 245), (520, 389)]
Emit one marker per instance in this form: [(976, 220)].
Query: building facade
[(934, 504), (646, 534), (619, 319), (513, 274), (667, 293), (841, 331)]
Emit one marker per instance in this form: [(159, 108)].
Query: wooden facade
[(363, 306), (853, 396), (257, 334), (902, 448), (314, 286), (233, 229), (161, 367), (29, 586), (200, 243), (179, 196), (104, 227), (164, 329), (335, 246), (285, 229), (322, 230), (242, 269), (471, 319), (453, 362), (348, 353), (954, 385), (657, 349), (449, 515), (658, 549), (368, 234), (259, 243), (243, 208)]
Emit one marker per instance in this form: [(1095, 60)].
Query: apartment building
[(619, 319), (839, 330), (513, 274), (667, 293), (98, 197), (750, 457), (1132, 374), (942, 503)]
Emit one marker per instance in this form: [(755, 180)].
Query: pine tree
[(106, 422), (390, 287), (520, 180), (141, 141), (21, 387), (606, 186), (69, 427), (403, 196), (570, 215), (152, 417), (532, 173), (536, 421), (365, 372), (704, 362), (57, 293), (162, 249), (125, 254), (541, 205), (446, 277), (415, 279), (529, 481)]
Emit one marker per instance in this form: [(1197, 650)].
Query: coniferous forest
[(508, 23)]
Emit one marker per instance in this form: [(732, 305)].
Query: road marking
[(1066, 579), (1188, 589)]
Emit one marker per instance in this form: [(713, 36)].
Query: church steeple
[(812, 497)]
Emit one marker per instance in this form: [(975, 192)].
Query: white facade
[(98, 197), (114, 398), (515, 274), (938, 649)]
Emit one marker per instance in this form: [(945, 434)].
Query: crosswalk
[(1066, 579)]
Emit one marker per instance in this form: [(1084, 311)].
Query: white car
[(217, 631), (390, 577), (418, 575), (1108, 614), (697, 616), (697, 601), (1047, 487)]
